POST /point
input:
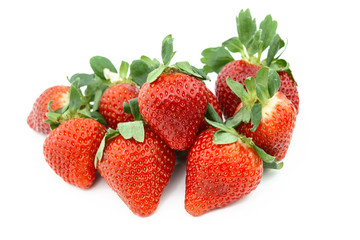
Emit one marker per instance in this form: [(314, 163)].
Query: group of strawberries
[(132, 126)]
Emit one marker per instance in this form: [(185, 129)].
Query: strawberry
[(249, 43), (70, 150), (173, 101), (120, 89), (137, 164), (222, 167), (265, 114), (59, 95)]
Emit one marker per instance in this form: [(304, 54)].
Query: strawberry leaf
[(75, 98), (255, 116), (99, 154), (124, 68), (243, 115), (139, 71), (273, 82), (212, 115), (186, 68), (167, 50), (246, 26), (276, 44), (83, 79), (273, 165), (153, 75), (262, 93), (132, 130), (222, 137), (215, 59), (154, 63), (237, 88), (234, 45), (268, 27), (98, 64), (255, 44)]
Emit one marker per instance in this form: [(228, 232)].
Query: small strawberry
[(59, 95), (222, 167), (173, 101), (249, 42), (137, 164), (265, 114), (70, 150), (121, 89)]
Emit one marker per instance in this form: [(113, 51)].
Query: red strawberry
[(70, 150), (173, 101), (60, 97), (137, 170), (214, 102), (111, 103), (217, 175), (272, 115), (249, 43), (174, 107)]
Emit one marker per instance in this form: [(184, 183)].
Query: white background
[(315, 195)]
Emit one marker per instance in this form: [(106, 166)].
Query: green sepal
[(139, 71), (234, 45), (273, 165), (268, 27), (273, 82), (99, 154), (212, 115), (82, 78), (75, 98), (186, 68), (243, 115), (153, 75), (98, 117), (132, 130), (134, 108), (276, 44), (255, 44), (222, 137), (167, 52), (152, 63), (262, 93), (255, 116), (279, 65), (237, 88), (215, 59), (246, 26), (124, 68), (99, 63)]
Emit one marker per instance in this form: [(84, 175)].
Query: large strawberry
[(137, 164), (173, 101), (59, 95), (222, 167), (265, 114), (70, 150), (120, 89), (250, 43)]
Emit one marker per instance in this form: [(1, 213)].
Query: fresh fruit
[(137, 164), (70, 150), (120, 89), (222, 167), (59, 95), (250, 43), (265, 114), (173, 101)]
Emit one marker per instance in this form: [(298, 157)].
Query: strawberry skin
[(214, 102), (275, 130), (111, 103), (70, 150), (174, 107), (138, 171), (60, 97), (239, 70), (217, 175)]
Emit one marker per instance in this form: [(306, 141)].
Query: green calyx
[(228, 135), (255, 98), (78, 107), (148, 70), (128, 130), (251, 42)]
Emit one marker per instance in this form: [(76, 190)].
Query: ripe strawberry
[(70, 150), (111, 103), (249, 43), (137, 165), (272, 115), (217, 175), (60, 97), (173, 101)]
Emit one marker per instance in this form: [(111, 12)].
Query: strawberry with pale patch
[(250, 43), (265, 114), (59, 95), (222, 167)]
